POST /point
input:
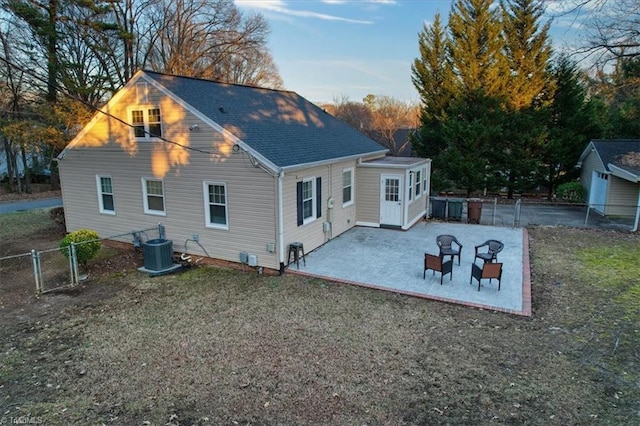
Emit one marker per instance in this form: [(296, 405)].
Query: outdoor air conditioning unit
[(158, 254)]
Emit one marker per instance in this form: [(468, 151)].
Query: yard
[(216, 346)]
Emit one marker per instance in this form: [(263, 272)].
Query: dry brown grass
[(213, 346)]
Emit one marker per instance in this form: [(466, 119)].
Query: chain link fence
[(44, 271), (522, 213), (16, 277)]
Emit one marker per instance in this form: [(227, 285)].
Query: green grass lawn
[(215, 346)]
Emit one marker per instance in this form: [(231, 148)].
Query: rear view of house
[(239, 169)]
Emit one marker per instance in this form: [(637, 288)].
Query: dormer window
[(146, 123)]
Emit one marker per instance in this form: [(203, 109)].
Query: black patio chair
[(488, 271), (446, 242), (436, 263), (491, 255)]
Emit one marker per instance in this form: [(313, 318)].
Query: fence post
[(37, 273), (495, 207), (73, 264), (586, 218), (516, 214)]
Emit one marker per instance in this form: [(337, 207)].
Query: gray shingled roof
[(281, 125), (611, 152)]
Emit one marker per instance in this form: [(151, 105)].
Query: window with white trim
[(347, 187), (308, 197), (309, 200), (424, 180), (153, 196), (105, 194), (146, 123), (411, 185), (215, 205), (418, 183)]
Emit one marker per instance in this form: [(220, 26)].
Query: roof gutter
[(623, 174), (281, 222), (332, 161)]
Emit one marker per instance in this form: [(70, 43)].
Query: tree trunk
[(27, 173), (511, 184)]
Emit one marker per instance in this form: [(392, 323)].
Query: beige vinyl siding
[(312, 234), (368, 194), (622, 197), (109, 149)]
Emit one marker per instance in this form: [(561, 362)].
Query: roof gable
[(619, 153), (281, 125)]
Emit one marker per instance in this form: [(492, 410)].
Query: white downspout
[(635, 226), (281, 222)]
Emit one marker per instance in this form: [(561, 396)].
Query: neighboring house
[(33, 158), (610, 174), (241, 169)]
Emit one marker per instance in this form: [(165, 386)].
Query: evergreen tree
[(625, 102), (433, 78), (527, 50), (495, 58), (573, 122), (471, 127), (476, 48)]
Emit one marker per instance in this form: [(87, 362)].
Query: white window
[(347, 187), (146, 123), (215, 205), (105, 195), (410, 186), (308, 200), (153, 196), (424, 180), (418, 183)]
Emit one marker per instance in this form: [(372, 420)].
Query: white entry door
[(391, 200)]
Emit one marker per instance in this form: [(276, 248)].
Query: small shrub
[(87, 244), (571, 191)]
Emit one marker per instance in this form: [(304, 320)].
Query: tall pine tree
[(476, 48), (487, 132), (432, 76), (527, 51)]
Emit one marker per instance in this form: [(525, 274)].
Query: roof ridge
[(207, 80)]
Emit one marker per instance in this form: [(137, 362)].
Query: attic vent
[(222, 110)]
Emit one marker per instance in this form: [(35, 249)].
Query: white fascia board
[(329, 161), (102, 111), (419, 162), (623, 174)]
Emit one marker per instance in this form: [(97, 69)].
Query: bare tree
[(211, 39), (612, 30), (389, 115), (355, 114), (119, 35)]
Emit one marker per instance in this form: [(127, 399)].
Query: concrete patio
[(393, 260)]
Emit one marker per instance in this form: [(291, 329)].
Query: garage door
[(598, 191)]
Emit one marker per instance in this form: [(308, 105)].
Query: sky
[(328, 50)]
